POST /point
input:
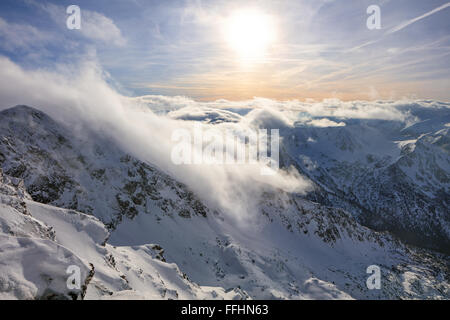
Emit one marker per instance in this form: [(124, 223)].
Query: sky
[(214, 49)]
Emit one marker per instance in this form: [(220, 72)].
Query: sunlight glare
[(250, 33)]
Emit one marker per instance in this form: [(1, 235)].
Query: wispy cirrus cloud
[(94, 25), (402, 26), (98, 27), (416, 19), (322, 49), (16, 36)]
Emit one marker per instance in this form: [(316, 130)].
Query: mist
[(81, 97)]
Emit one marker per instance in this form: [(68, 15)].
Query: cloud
[(324, 122), (263, 112), (205, 114), (354, 110), (97, 27), (15, 36), (94, 26), (423, 16), (402, 25), (164, 104), (80, 97)]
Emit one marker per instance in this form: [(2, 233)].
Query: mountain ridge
[(297, 249)]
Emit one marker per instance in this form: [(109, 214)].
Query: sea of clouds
[(81, 96)]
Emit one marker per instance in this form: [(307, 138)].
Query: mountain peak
[(26, 116), (24, 112), (21, 108)]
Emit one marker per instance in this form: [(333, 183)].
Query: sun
[(250, 32)]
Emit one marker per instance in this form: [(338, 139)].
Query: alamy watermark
[(374, 20), (73, 21), (215, 147), (374, 281), (74, 280)]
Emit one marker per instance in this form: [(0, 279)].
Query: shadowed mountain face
[(90, 174), (154, 238), (385, 162), (390, 175)]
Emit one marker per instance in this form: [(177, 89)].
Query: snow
[(32, 268), (293, 249)]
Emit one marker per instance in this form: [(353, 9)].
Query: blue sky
[(322, 48)]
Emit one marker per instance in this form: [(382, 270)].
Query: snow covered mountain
[(390, 174), (136, 232), (39, 242), (385, 162)]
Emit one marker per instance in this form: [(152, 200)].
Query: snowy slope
[(39, 242)]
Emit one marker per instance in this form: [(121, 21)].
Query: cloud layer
[(82, 98)]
